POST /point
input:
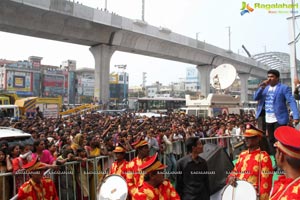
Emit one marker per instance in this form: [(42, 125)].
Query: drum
[(113, 187), (243, 190)]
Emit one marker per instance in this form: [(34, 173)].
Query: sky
[(259, 31)]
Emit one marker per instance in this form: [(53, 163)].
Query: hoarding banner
[(18, 81)]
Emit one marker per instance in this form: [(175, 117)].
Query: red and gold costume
[(119, 168), (292, 192), (134, 176), (167, 191), (288, 144), (33, 191), (252, 166), (164, 189), (147, 192)]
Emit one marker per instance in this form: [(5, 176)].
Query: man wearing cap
[(134, 176), (253, 165), (288, 159), (272, 97), (155, 186), (119, 166), (38, 187)]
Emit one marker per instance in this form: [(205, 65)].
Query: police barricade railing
[(88, 175), (229, 142), (74, 178), (20, 175), (214, 140), (4, 183), (130, 155)]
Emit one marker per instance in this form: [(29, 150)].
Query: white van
[(196, 111), (10, 111), (213, 105), (210, 112)]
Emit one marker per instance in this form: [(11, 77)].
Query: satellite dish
[(223, 76)]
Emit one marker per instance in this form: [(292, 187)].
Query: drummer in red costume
[(134, 175), (38, 187), (119, 166), (253, 165), (288, 159), (155, 187)]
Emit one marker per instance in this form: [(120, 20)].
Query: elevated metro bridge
[(106, 33)]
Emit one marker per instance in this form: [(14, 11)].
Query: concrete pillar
[(204, 72), (244, 86), (102, 55)]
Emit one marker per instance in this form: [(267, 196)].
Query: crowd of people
[(80, 137)]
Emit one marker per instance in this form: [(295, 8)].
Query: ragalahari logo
[(245, 8)]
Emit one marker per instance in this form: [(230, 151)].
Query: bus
[(9, 111), (160, 104)]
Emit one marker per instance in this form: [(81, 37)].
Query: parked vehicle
[(10, 111), (213, 105), (15, 136)]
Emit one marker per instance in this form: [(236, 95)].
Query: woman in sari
[(77, 142), (95, 177)]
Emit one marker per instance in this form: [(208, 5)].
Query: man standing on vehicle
[(272, 97)]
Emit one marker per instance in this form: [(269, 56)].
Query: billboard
[(113, 78), (192, 74), (53, 85), (18, 81), (86, 87)]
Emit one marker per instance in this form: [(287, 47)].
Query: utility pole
[(265, 48), (197, 34), (144, 81), (229, 38), (293, 57), (143, 10)]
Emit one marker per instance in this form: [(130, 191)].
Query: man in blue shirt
[(272, 97)]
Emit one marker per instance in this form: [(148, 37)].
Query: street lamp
[(229, 38)]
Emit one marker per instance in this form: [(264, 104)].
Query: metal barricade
[(130, 155), (230, 141), (4, 182), (74, 178)]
